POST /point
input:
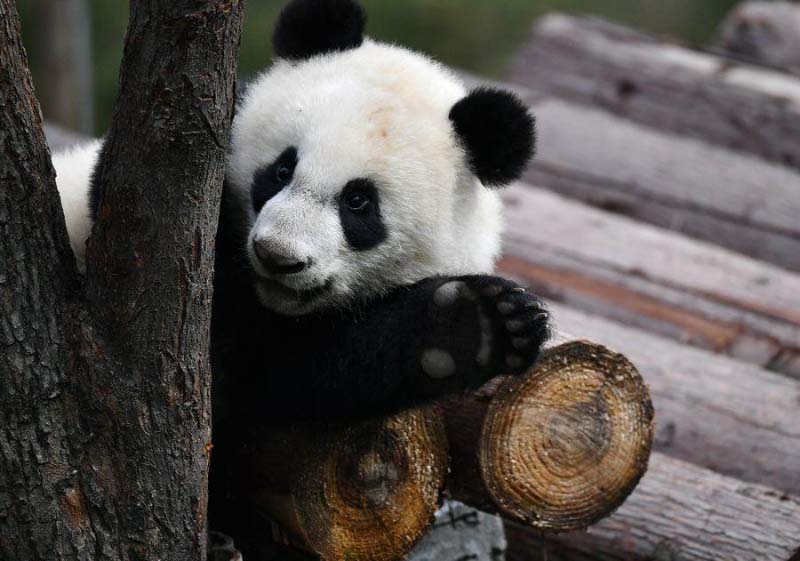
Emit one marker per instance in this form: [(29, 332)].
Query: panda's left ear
[(307, 28), (498, 134)]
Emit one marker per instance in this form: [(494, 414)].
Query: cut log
[(679, 512), (763, 33), (716, 412), (666, 283), (731, 199), (558, 448), (665, 85), (365, 491)]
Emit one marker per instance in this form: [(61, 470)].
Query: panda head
[(363, 166)]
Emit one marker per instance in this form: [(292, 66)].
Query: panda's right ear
[(308, 28)]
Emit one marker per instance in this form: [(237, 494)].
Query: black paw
[(483, 327)]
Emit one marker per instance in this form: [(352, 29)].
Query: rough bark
[(41, 507), (665, 283), (679, 512), (105, 426), (665, 85)]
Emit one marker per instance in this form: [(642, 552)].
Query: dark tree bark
[(104, 388)]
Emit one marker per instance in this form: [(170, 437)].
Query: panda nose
[(275, 262)]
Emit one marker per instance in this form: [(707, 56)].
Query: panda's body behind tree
[(357, 219)]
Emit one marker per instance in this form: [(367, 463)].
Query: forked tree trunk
[(104, 385)]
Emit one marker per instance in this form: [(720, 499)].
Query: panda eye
[(357, 200), (283, 174), (269, 181)]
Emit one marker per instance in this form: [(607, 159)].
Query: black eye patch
[(269, 181), (360, 213)]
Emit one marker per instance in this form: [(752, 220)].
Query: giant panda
[(361, 222), (359, 227)]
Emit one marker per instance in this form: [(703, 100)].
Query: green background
[(477, 35)]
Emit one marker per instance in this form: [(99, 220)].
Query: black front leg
[(416, 344)]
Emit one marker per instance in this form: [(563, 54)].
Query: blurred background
[(80, 41)]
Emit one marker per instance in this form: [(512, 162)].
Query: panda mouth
[(304, 295)]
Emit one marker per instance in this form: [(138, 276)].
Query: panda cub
[(359, 222)]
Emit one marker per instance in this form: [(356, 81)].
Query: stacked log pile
[(682, 139), (644, 145)]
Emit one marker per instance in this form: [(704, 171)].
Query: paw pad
[(506, 308), (438, 364)]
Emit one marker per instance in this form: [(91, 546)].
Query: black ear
[(497, 132), (307, 28)]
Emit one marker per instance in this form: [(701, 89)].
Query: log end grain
[(564, 446), (363, 491)]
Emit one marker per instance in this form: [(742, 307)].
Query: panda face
[(354, 180)]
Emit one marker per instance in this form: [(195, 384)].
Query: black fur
[(498, 133), (308, 28), (365, 360), (269, 181), (363, 228)]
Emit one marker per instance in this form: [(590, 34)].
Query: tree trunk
[(105, 409)]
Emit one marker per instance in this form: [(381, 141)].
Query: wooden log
[(665, 283), (763, 33), (558, 448), (664, 85), (731, 199), (716, 412), (679, 512), (361, 491)]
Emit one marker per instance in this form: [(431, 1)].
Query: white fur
[(73, 173), (379, 112)]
